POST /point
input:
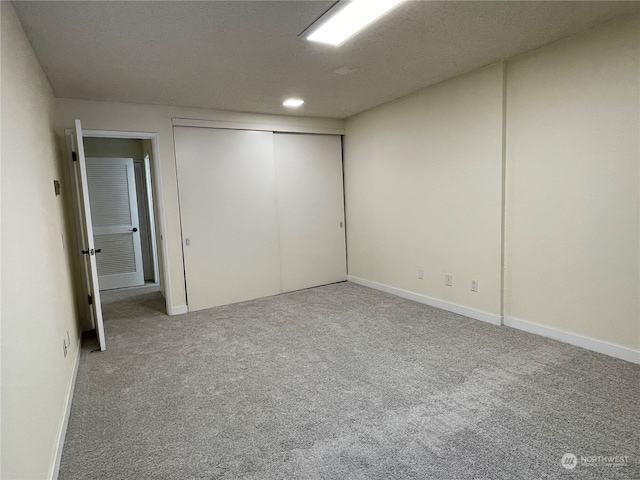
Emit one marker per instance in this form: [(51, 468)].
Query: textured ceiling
[(246, 56)]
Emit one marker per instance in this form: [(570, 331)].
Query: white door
[(226, 183), (88, 247), (310, 210), (114, 210)]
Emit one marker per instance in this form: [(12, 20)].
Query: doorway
[(109, 145), (120, 175)]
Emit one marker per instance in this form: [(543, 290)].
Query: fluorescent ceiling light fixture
[(346, 19), (293, 102)]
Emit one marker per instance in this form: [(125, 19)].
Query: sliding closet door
[(310, 210), (226, 181)]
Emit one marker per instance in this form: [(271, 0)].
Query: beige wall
[(424, 181), (113, 147), (158, 119), (37, 299), (573, 167), (424, 189)]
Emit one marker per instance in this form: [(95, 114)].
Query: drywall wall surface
[(423, 189), (113, 147), (572, 191), (158, 119), (38, 307)]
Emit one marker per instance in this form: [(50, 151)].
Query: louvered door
[(114, 211)]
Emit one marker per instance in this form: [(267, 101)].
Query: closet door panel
[(226, 181), (310, 210)]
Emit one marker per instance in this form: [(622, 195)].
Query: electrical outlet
[(474, 285), (448, 280), (420, 273)]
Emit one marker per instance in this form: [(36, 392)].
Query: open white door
[(114, 217), (88, 248)]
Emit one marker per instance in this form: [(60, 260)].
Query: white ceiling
[(246, 55)]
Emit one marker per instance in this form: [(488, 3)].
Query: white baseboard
[(599, 346), (53, 474), (178, 310), (416, 297)]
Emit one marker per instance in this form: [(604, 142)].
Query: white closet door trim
[(262, 127)]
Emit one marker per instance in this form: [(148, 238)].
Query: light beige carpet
[(342, 382)]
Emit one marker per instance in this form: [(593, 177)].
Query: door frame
[(155, 197), (152, 218)]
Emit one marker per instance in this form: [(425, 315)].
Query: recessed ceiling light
[(346, 19), (344, 71), (293, 102)]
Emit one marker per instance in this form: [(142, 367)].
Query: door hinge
[(74, 156), (90, 300)]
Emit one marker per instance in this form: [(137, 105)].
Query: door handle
[(134, 229)]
